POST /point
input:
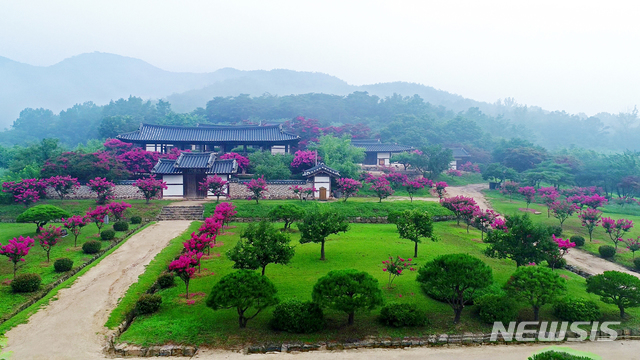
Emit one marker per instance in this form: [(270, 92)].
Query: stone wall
[(277, 189), (122, 191)]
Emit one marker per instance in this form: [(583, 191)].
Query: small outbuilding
[(321, 175), (377, 153)]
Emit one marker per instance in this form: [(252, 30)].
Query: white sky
[(578, 56)]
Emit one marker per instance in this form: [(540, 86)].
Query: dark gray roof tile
[(207, 134), (320, 168)]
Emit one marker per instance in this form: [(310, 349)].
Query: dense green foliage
[(573, 309), (107, 234), (261, 245), (41, 215), (557, 355), (136, 219), (618, 288), (297, 317), (535, 285), (63, 264), (148, 304), (121, 226), (166, 280), (496, 307), (338, 154), (287, 213), (413, 225), (272, 167), (401, 315), (91, 247), (318, 223), (607, 251), (25, 283), (578, 240)]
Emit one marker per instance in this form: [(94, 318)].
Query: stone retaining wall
[(355, 220), (277, 190), (84, 192)]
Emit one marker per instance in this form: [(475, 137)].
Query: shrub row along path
[(72, 327)]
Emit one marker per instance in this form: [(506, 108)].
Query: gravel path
[(72, 327)]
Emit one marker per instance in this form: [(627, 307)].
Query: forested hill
[(101, 77)]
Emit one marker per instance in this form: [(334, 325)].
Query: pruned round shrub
[(572, 309), (401, 315), (579, 240), (166, 280), (121, 226), (136, 219), (25, 283), (63, 264), (636, 263), (607, 251), (107, 234), (560, 264), (91, 247), (496, 307), (148, 304), (298, 317), (557, 355)]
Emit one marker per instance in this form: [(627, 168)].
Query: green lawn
[(572, 226), (353, 207), (465, 179), (364, 247)]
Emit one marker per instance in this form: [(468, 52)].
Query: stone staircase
[(181, 213)]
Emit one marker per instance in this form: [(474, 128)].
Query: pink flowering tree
[(594, 201), (16, 249), (74, 225), (469, 167), (412, 187), (482, 220), (304, 159), (27, 191), (185, 267), (225, 212), (348, 187), (257, 187), (549, 195), (211, 228), (243, 162), (500, 224), (98, 216), (458, 205), (395, 268), (396, 179), (215, 185), (529, 193), (440, 189), (382, 188), (118, 209), (562, 210), (454, 173), (563, 248), (138, 160), (197, 244), (632, 244), (49, 237), (150, 187), (63, 185), (509, 188), (116, 146), (616, 228), (103, 188), (302, 192), (590, 219)]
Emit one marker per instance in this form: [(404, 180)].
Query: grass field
[(363, 247), (572, 226)]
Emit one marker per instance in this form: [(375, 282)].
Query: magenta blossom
[(16, 249)]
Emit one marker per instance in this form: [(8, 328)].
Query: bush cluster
[(299, 317), (579, 240), (557, 355), (572, 309), (121, 226), (136, 219), (25, 283), (107, 234), (166, 280), (401, 315), (91, 247), (148, 304), (607, 251), (63, 264), (496, 307)]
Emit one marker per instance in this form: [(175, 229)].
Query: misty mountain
[(101, 77)]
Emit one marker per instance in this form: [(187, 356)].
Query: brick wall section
[(83, 192), (274, 191)]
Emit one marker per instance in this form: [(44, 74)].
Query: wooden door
[(323, 193), (189, 186), (200, 178)]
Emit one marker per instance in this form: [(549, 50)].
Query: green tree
[(523, 243), (41, 215), (413, 225), (318, 224), (243, 290), (499, 173), (457, 277), (263, 244), (617, 288), (549, 172), (288, 213), (537, 285), (339, 154), (112, 126), (272, 167), (348, 291), (437, 160)]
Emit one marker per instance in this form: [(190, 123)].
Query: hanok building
[(377, 153), (211, 138), (321, 175), (184, 175), (460, 156)]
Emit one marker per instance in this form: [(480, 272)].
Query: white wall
[(278, 149), (386, 156), (174, 186), (321, 181)]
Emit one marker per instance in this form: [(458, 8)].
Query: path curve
[(72, 327)]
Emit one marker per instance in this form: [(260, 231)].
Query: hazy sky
[(578, 56)]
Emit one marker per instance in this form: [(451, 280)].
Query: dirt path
[(72, 327)]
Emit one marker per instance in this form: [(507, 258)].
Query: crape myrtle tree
[(348, 187), (75, 224), (537, 285), (555, 255), (347, 291), (440, 189), (549, 195), (185, 267), (214, 185), (63, 185), (318, 224), (458, 205), (225, 212), (413, 225), (482, 220), (150, 187), (261, 245), (590, 218), (287, 213), (16, 249), (211, 227), (98, 216), (243, 162), (457, 277), (257, 187), (616, 228), (41, 215), (562, 210), (26, 191), (103, 188), (633, 245), (48, 238), (118, 209), (529, 194), (302, 192), (522, 242), (617, 288), (509, 188), (303, 160), (382, 188), (396, 267), (243, 290)]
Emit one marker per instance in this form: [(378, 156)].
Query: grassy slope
[(79, 207), (364, 247), (572, 226)]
